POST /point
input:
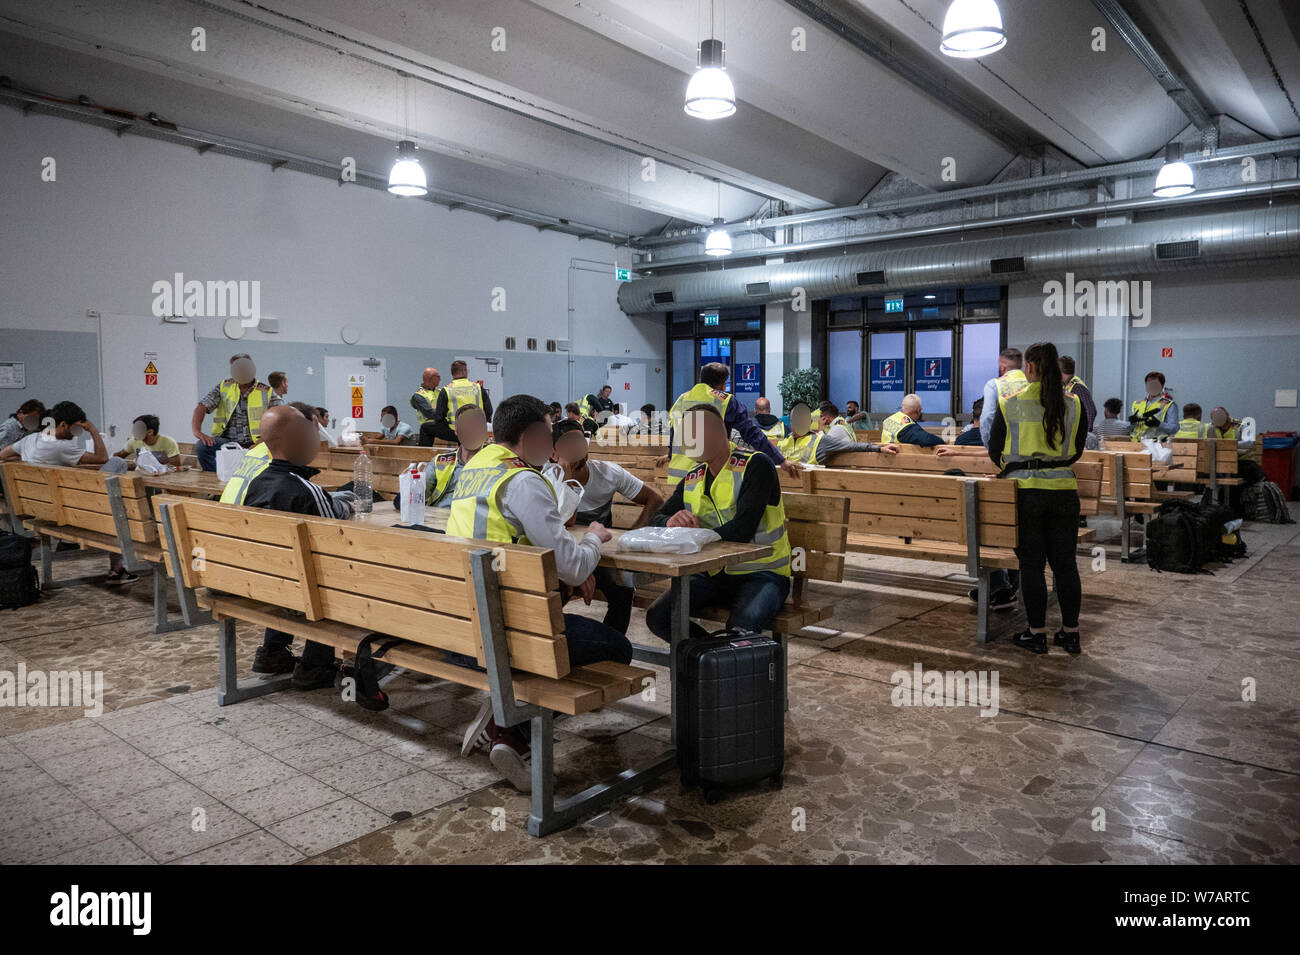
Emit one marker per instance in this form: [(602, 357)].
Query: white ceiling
[(560, 121)]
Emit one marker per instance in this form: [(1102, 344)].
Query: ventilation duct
[(758, 288), (870, 278), (1166, 251), (1008, 266), (1221, 240)]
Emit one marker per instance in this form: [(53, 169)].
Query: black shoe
[(314, 678), (1004, 599), (1069, 642), (1033, 642), (1083, 520), (273, 660), (375, 703)]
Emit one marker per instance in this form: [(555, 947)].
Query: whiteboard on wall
[(13, 374)]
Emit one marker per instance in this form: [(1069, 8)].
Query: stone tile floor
[(1140, 750)]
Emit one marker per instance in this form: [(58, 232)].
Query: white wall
[(126, 212)]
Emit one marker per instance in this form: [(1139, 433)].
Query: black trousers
[(1048, 532), (618, 599), (313, 654), (435, 429)]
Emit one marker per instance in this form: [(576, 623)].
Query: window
[(844, 366)]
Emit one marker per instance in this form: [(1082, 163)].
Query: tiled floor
[(1140, 750)]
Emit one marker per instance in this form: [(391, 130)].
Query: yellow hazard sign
[(357, 396), (150, 369)]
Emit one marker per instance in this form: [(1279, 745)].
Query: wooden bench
[(335, 582), (99, 511)]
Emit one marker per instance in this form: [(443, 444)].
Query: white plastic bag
[(568, 494), (667, 540), (1161, 454), (146, 462), (228, 457), (411, 494)]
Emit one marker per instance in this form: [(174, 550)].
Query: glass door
[(887, 361), (743, 356), (907, 361)]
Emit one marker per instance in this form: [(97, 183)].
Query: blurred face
[(571, 449), (243, 370), (302, 441), (1154, 387), (801, 419), (30, 422), (535, 444), (471, 429), (389, 420), (138, 430), (704, 436), (1219, 417)]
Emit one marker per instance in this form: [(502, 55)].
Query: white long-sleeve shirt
[(529, 504), (989, 410)]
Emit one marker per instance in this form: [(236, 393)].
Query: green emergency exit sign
[(623, 275)]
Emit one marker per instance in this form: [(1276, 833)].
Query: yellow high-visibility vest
[(701, 394), (800, 449), (461, 392), (895, 423), (430, 395), (841, 423), (1191, 428), (258, 398), (1235, 434), (476, 502), (444, 465), (1011, 383), (1141, 430), (715, 507), (254, 462), (776, 432), (1027, 439)]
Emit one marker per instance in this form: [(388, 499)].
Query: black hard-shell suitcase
[(732, 706)]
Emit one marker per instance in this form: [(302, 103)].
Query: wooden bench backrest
[(921, 506), (1137, 469), (819, 524), (912, 457), (78, 497), (403, 583)]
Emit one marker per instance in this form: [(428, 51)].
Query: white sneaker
[(513, 759), (476, 736)]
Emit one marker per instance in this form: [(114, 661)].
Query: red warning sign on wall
[(150, 379), (358, 411)]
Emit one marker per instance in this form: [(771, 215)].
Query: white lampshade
[(710, 94), (718, 241), (972, 28), (1175, 177), (407, 176)]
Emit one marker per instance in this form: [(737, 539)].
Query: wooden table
[(678, 568), (193, 483)]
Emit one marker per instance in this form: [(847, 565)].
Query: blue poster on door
[(934, 374), (886, 374), (748, 381)]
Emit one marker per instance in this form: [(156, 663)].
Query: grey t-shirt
[(835, 440)]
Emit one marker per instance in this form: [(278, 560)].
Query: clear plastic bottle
[(361, 483)]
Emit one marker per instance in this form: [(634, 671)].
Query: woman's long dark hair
[(1051, 388)]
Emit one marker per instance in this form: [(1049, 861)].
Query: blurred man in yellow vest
[(457, 393), (903, 427), (1190, 426), (441, 474), (1010, 379), (805, 446), (1156, 413), (736, 417), (735, 493), (1037, 434), (425, 401), (237, 405), (830, 418), (772, 426)]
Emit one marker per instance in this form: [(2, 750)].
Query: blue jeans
[(1004, 580), (207, 455), (754, 599)]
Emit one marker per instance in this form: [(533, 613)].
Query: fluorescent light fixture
[(929, 298), (710, 95), (972, 28), (718, 241), (407, 176), (1175, 177)]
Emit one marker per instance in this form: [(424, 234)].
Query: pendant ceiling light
[(1175, 177), (972, 28), (710, 95), (718, 241), (407, 176)]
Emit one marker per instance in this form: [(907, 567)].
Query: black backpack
[(1264, 502), (1183, 536), (19, 583)]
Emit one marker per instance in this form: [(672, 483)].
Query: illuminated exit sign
[(710, 318), (623, 275), (894, 304)]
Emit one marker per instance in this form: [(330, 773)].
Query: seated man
[(902, 427), (145, 437), (855, 416), (283, 483), (1111, 425), (63, 445), (736, 494), (599, 480), (806, 446), (392, 430), (831, 420), (441, 474), (1223, 425), (970, 435), (502, 496), (772, 426), (1190, 425), (573, 412), (26, 420)]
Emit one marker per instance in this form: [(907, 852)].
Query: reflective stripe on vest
[(250, 466), (445, 464), (801, 450), (717, 506), (895, 423), (461, 392), (701, 394), (430, 395), (476, 502), (1011, 383), (1191, 428), (1141, 430), (776, 432), (230, 396), (1027, 439), (841, 423)]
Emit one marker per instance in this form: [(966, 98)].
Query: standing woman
[(1037, 434)]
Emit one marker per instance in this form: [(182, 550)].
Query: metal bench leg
[(231, 691), (547, 815), (982, 606), (47, 562), (160, 622)]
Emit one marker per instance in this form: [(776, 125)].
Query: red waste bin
[(1279, 463)]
